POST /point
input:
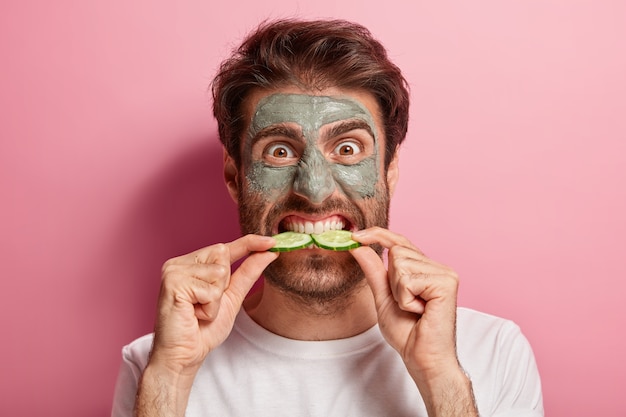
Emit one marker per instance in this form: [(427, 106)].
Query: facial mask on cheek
[(270, 182), (358, 180)]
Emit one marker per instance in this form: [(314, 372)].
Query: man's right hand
[(197, 306), (200, 299)]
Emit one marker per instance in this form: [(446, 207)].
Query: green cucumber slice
[(288, 241), (335, 240)]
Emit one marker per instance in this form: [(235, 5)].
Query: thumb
[(248, 272), (374, 270)]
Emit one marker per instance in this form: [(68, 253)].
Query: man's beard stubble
[(315, 278)]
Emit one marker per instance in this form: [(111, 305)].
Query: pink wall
[(514, 173)]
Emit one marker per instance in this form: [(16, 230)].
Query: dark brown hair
[(313, 55)]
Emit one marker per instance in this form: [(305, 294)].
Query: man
[(311, 115)]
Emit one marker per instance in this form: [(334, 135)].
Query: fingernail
[(359, 233)]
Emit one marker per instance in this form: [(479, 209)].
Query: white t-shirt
[(257, 373)]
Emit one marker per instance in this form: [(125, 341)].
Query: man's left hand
[(416, 303), (415, 299)]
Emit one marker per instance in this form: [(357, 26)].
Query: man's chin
[(317, 274)]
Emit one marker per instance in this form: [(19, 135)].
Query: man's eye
[(347, 149), (280, 150)]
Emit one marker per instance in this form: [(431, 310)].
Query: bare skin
[(413, 299), (197, 306)]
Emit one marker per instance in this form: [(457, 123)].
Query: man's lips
[(295, 223)]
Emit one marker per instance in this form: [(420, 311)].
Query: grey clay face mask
[(314, 176)]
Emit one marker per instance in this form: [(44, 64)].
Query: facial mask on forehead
[(314, 177), (310, 112)]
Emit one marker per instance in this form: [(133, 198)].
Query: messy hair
[(312, 55)]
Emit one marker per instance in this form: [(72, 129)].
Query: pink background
[(513, 173)]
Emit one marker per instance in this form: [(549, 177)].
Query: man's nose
[(314, 179)]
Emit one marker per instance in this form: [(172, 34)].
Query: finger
[(409, 258), (401, 271), (407, 301), (247, 244), (374, 270), (189, 284), (412, 292), (214, 274), (247, 274), (383, 237), (217, 253), (208, 305), (227, 253)]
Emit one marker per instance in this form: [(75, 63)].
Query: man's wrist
[(447, 393), (163, 392)]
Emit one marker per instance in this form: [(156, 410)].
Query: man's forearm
[(449, 395), (162, 394)]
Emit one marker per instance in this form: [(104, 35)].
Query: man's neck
[(287, 316)]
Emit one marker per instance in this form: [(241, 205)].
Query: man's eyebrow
[(278, 130), (349, 125)]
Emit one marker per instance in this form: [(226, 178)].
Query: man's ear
[(231, 176), (393, 172)]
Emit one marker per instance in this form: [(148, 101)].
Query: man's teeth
[(315, 227)]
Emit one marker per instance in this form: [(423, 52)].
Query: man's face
[(310, 163)]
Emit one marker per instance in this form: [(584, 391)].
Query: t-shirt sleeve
[(519, 393), (134, 359)]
